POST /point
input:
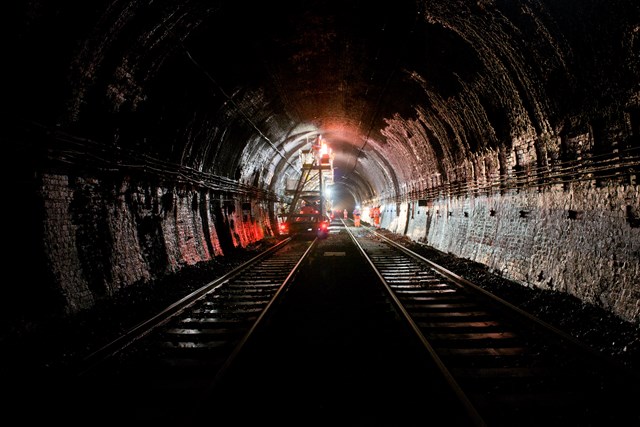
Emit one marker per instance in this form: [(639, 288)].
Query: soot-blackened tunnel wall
[(147, 136)]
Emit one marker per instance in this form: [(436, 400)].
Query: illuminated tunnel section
[(150, 136)]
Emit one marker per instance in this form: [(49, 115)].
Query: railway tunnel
[(147, 137)]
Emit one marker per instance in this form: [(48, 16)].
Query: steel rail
[(530, 319), (470, 409), (142, 329), (222, 372)]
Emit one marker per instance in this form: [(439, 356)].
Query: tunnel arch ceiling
[(418, 84), (326, 78)]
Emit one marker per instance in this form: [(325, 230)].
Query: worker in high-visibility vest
[(375, 212), (356, 217)]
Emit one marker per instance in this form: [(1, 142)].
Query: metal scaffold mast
[(316, 174)]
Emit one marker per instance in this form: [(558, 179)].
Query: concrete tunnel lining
[(154, 126)]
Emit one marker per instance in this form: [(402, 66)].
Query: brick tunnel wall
[(101, 235), (583, 240)]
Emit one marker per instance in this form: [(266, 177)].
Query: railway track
[(507, 366), (160, 368), (334, 353), (304, 335)]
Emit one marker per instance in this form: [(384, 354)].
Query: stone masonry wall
[(60, 247), (102, 235), (583, 240)]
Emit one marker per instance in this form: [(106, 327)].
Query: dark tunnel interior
[(148, 136)]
